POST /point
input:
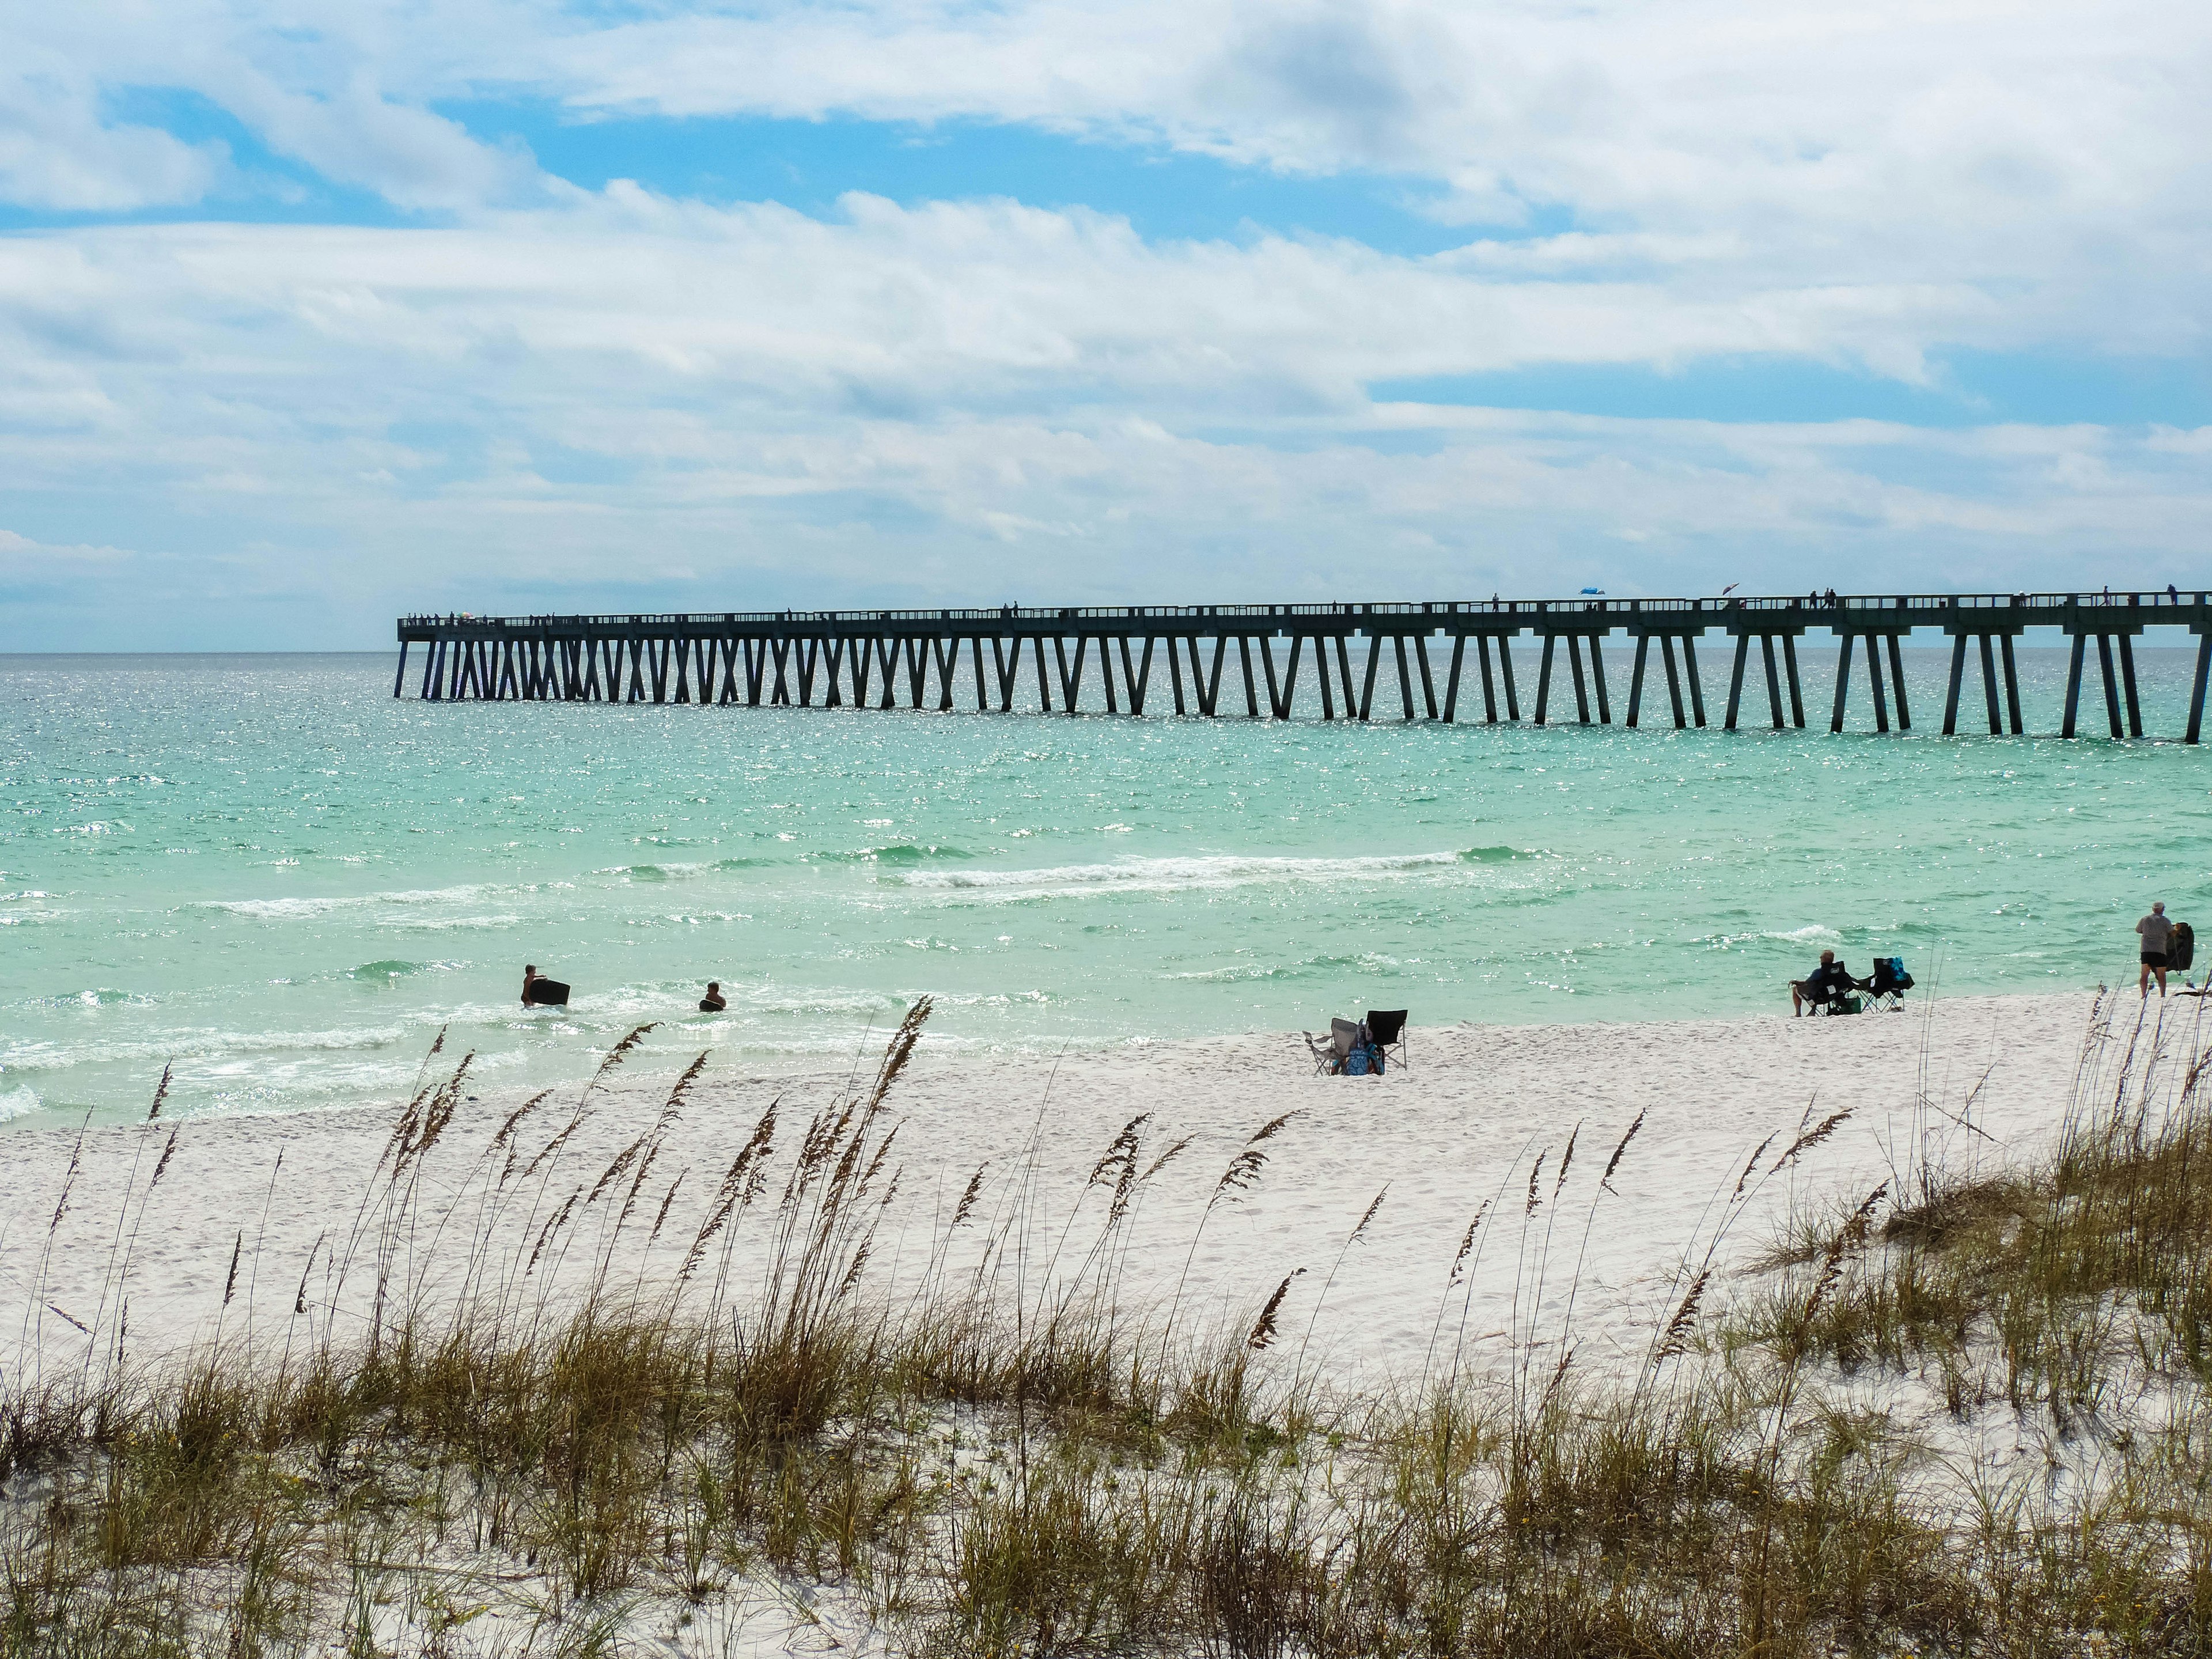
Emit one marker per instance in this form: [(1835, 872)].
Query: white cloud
[(951, 305), (552, 386), (56, 152), (719, 407), (2054, 154), (2060, 149), (342, 89)]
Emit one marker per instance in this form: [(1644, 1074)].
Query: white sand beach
[(1460, 1127)]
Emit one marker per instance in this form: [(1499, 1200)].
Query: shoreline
[(674, 1043), (1459, 1125)]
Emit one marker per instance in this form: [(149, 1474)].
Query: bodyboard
[(549, 993)]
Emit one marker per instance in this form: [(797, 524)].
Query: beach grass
[(488, 1428)]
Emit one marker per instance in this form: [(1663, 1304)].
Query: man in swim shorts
[(2157, 938)]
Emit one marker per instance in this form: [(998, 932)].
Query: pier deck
[(865, 658)]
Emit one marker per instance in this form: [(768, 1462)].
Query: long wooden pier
[(864, 658)]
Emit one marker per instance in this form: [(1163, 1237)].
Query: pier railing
[(858, 658)]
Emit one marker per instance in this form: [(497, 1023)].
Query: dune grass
[(549, 1450)]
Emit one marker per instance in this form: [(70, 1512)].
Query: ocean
[(266, 872)]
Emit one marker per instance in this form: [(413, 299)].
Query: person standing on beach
[(2157, 932)]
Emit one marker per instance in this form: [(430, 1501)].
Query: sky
[(313, 314)]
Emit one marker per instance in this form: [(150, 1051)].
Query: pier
[(867, 659)]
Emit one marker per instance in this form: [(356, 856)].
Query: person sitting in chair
[(714, 1002), (1823, 987)]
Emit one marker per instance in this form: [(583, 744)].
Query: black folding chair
[(1385, 1029), (1887, 985)]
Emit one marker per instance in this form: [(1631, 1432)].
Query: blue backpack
[(1356, 1062)]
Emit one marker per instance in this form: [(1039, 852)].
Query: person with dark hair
[(530, 977), (714, 1002)]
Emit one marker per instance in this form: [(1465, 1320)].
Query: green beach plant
[(508, 1442)]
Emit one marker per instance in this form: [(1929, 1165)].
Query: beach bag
[(1902, 979), (1355, 1063), (2181, 949)]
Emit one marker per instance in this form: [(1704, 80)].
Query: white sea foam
[(18, 1101), (1162, 875)]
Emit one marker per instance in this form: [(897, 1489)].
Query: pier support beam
[(1874, 685), (2197, 687), (1581, 686), (1697, 684), (2112, 693), (1959, 674), (2128, 682)]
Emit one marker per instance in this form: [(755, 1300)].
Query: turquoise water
[(269, 872)]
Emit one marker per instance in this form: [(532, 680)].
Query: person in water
[(714, 1002), (2156, 932), (1822, 985), (530, 977)]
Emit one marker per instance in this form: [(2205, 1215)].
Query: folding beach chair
[(1385, 1029), (1886, 988), (1329, 1057), (1843, 998), (1323, 1055)]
